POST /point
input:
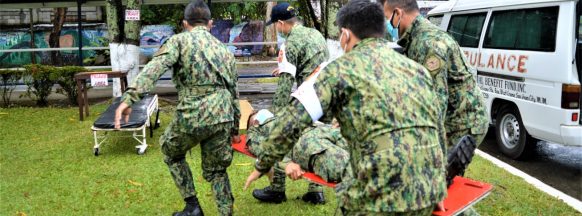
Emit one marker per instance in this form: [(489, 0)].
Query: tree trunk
[(32, 54), (114, 23), (270, 34), (304, 12), (132, 29), (114, 10), (325, 18), (311, 13), (59, 19)]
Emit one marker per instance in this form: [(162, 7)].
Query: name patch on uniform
[(306, 94), (284, 65)]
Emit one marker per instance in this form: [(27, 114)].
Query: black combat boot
[(192, 208), (269, 195), (314, 198), (459, 157)]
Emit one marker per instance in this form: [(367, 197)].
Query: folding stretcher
[(462, 194), (138, 121)]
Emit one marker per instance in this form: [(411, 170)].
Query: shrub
[(65, 77), (40, 81), (8, 80)]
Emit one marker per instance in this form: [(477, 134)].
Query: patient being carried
[(320, 149)]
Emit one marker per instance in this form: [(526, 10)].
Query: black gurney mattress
[(137, 118)]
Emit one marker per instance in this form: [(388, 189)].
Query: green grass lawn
[(47, 167)]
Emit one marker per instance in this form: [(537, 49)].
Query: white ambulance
[(528, 61)]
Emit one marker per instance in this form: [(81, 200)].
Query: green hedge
[(65, 77), (41, 78), (8, 80)]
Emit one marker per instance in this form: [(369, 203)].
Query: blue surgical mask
[(281, 35), (391, 30), (263, 115)]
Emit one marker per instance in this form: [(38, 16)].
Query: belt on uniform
[(200, 90)]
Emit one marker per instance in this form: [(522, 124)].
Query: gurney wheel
[(96, 151), (140, 152)]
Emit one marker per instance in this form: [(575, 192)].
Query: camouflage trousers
[(216, 156), (425, 211), (453, 138), (329, 165)]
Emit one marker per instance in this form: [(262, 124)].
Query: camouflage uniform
[(458, 91), (382, 101), (320, 149), (207, 113), (306, 49), (306, 55), (455, 84)]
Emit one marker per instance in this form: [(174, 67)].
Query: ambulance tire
[(512, 137)]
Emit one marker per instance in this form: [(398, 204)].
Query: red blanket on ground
[(462, 194)]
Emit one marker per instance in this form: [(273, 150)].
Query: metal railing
[(144, 46)]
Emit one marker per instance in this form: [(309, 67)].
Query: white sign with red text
[(131, 14), (99, 80)]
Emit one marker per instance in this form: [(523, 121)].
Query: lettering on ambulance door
[(510, 86)]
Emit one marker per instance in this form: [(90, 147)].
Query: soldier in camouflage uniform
[(207, 112), (456, 86), (303, 51), (321, 149), (383, 102)]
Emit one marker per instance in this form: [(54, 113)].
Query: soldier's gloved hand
[(236, 139), (440, 206), (252, 177), (256, 174), (293, 171), (275, 72), (122, 111)]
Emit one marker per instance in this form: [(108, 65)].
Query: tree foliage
[(171, 15), (239, 12)]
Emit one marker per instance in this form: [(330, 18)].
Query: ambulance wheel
[(512, 137), (96, 151)]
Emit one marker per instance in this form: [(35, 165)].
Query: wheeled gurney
[(138, 121)]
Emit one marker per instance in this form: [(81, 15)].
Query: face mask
[(281, 34), (263, 115), (391, 30), (347, 38)]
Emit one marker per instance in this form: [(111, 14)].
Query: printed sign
[(131, 14), (508, 88), (99, 80)]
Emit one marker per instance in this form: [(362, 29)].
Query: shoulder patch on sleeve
[(432, 63), (160, 51)]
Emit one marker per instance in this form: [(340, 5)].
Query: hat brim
[(269, 23)]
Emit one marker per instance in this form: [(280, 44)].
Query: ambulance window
[(527, 29), (466, 28), (436, 20)]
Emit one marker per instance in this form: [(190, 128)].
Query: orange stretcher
[(462, 194)]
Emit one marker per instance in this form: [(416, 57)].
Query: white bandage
[(284, 65), (308, 97)]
